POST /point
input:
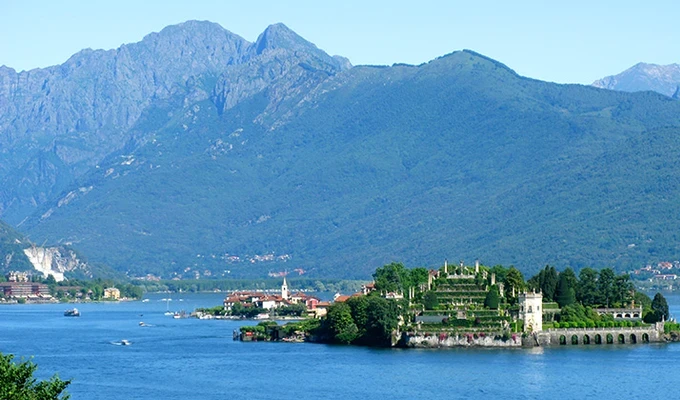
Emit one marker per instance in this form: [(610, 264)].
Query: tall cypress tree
[(660, 307), (565, 295), (605, 286), (492, 298), (549, 286)]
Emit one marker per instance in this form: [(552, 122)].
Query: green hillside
[(12, 245), (459, 157)]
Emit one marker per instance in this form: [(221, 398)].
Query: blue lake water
[(197, 359)]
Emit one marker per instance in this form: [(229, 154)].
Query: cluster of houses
[(271, 301), (664, 270), (20, 286)]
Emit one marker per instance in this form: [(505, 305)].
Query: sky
[(560, 41)]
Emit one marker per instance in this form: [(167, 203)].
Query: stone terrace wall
[(442, 340), (586, 336)]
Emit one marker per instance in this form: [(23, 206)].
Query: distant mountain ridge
[(664, 79), (58, 122), (280, 157)]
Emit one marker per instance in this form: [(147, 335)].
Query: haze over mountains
[(195, 151)]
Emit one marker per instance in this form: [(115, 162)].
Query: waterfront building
[(23, 289), (530, 311), (112, 293)]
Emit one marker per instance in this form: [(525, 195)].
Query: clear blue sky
[(562, 41)]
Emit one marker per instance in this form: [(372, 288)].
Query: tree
[(17, 382), (50, 280), (514, 284), (572, 313), (605, 286), (565, 295), (642, 299), (660, 307), (492, 298), (359, 308), (393, 277), (341, 324), (545, 281), (500, 272), (622, 290), (570, 276), (549, 283), (430, 300), (382, 319), (587, 292), (418, 276)]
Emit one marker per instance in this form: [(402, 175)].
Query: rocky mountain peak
[(280, 36), (642, 76)]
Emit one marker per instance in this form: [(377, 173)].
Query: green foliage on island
[(467, 301), (658, 310), (492, 299), (591, 288), (362, 320), (396, 278), (17, 382)]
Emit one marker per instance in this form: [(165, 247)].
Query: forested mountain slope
[(293, 160)]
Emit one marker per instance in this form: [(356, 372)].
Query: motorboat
[(72, 313), (125, 342)]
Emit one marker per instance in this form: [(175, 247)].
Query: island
[(463, 305)]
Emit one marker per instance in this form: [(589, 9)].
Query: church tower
[(284, 289)]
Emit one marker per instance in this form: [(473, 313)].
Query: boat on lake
[(72, 313), (167, 308)]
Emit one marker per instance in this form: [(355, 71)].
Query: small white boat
[(125, 342), (167, 308), (72, 313)]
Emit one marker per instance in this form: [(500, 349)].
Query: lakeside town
[(21, 287)]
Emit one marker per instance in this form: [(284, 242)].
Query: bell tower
[(284, 289)]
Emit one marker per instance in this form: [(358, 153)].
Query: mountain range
[(197, 153), (664, 79)]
